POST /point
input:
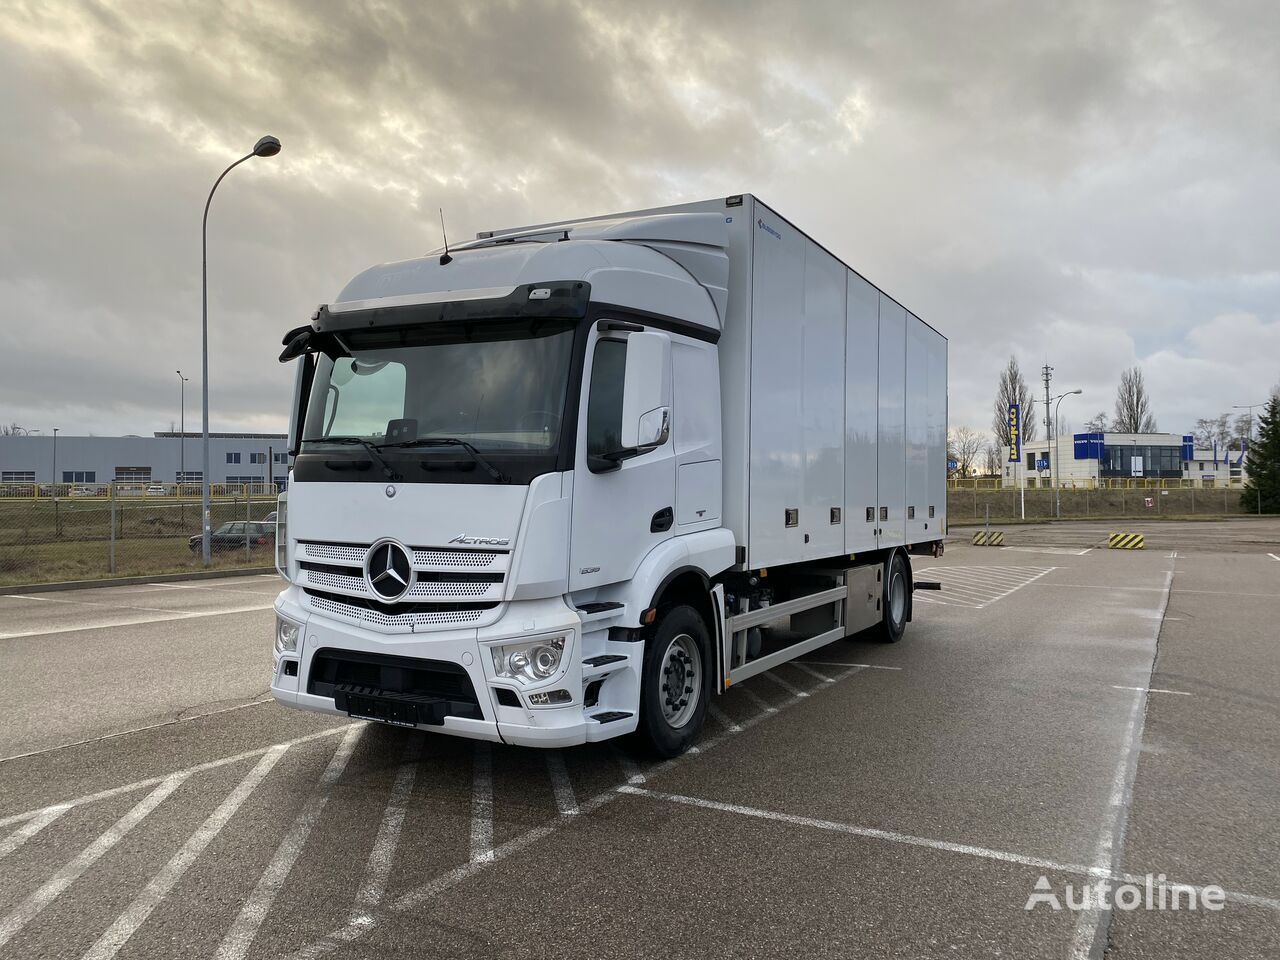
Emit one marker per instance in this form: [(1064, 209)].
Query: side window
[(604, 405)]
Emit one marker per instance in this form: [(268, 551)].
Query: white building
[(1087, 459), (168, 457)]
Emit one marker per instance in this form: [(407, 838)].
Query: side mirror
[(646, 392)]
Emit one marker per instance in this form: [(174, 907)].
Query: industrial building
[(1095, 459), (168, 457)]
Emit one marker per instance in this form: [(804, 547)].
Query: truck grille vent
[(399, 615)]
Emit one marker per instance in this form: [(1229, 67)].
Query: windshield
[(497, 386)]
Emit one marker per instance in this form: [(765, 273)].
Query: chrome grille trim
[(404, 620)]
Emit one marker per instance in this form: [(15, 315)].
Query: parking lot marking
[(1093, 920), (723, 718), (190, 615), (979, 586), (945, 846), (864, 666), (800, 665), (28, 830), (95, 603), (245, 928), (1059, 551), (412, 900), (383, 855), (1181, 693), (1273, 556), (154, 893), (755, 698), (561, 786), (31, 908), (630, 769), (482, 804), (794, 691), (152, 781), (196, 586)]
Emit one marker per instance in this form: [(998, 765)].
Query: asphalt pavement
[(1056, 714)]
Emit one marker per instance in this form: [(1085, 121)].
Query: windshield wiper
[(387, 469), (451, 442)]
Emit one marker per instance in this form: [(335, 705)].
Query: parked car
[(270, 517), (156, 490), (232, 536)]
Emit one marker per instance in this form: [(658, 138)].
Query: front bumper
[(527, 725)]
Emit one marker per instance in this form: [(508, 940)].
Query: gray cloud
[(1092, 185)]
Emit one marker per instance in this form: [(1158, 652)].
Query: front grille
[(470, 577), (402, 615)]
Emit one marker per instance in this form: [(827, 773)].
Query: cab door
[(624, 468)]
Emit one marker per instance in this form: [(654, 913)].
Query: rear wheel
[(896, 600), (676, 682)]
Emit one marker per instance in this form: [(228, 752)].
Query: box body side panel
[(862, 414)]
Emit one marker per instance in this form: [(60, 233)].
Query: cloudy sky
[(1092, 185)]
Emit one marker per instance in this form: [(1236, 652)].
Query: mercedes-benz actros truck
[(571, 481)]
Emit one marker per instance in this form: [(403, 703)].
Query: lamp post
[(182, 430), (1249, 407), (54, 485), (1057, 487), (266, 147)]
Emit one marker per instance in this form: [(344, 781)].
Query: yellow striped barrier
[(993, 539), (1125, 541)]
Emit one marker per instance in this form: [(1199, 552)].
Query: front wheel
[(676, 682), (896, 600)]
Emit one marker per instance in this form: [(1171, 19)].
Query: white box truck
[(570, 481)]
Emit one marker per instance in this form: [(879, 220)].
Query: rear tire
[(675, 684), (896, 602)]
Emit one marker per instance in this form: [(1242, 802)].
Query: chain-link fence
[(48, 538), (968, 505)]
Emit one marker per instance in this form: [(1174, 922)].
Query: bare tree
[(1211, 430), (991, 455), (1013, 389), (964, 446), (1133, 406), (1097, 423), (13, 430)]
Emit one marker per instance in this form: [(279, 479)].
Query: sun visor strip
[(564, 299)]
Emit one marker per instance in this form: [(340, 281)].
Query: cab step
[(609, 716)]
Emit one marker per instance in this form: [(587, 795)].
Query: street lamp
[(1057, 487), (182, 429), (266, 147)]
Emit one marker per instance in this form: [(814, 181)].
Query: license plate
[(381, 709)]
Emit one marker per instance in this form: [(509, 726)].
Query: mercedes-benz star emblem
[(390, 491), (388, 570)]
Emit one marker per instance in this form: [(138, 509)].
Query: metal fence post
[(112, 522), (248, 501)]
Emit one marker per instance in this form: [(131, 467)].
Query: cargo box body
[(833, 397)]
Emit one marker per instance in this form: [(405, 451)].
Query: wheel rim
[(680, 680), (897, 596)]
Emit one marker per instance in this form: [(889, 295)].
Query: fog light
[(286, 636), (547, 698), (528, 662)]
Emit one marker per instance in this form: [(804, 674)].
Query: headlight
[(286, 636), (528, 662)]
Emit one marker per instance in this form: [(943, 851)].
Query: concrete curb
[(134, 581)]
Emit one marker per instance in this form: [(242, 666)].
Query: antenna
[(444, 257)]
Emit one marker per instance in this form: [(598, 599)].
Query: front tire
[(675, 685), (896, 603)]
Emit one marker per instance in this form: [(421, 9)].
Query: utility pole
[(1046, 372)]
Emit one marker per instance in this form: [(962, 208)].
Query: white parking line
[(722, 718), (1058, 551), (755, 698), (28, 830), (1093, 920), (1181, 693), (154, 893), (93, 603), (864, 666), (561, 786), (945, 846), (152, 781), (482, 804), (412, 901), (1273, 556), (794, 691), (383, 854), (800, 665), (135, 623), (245, 928), (31, 908)]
